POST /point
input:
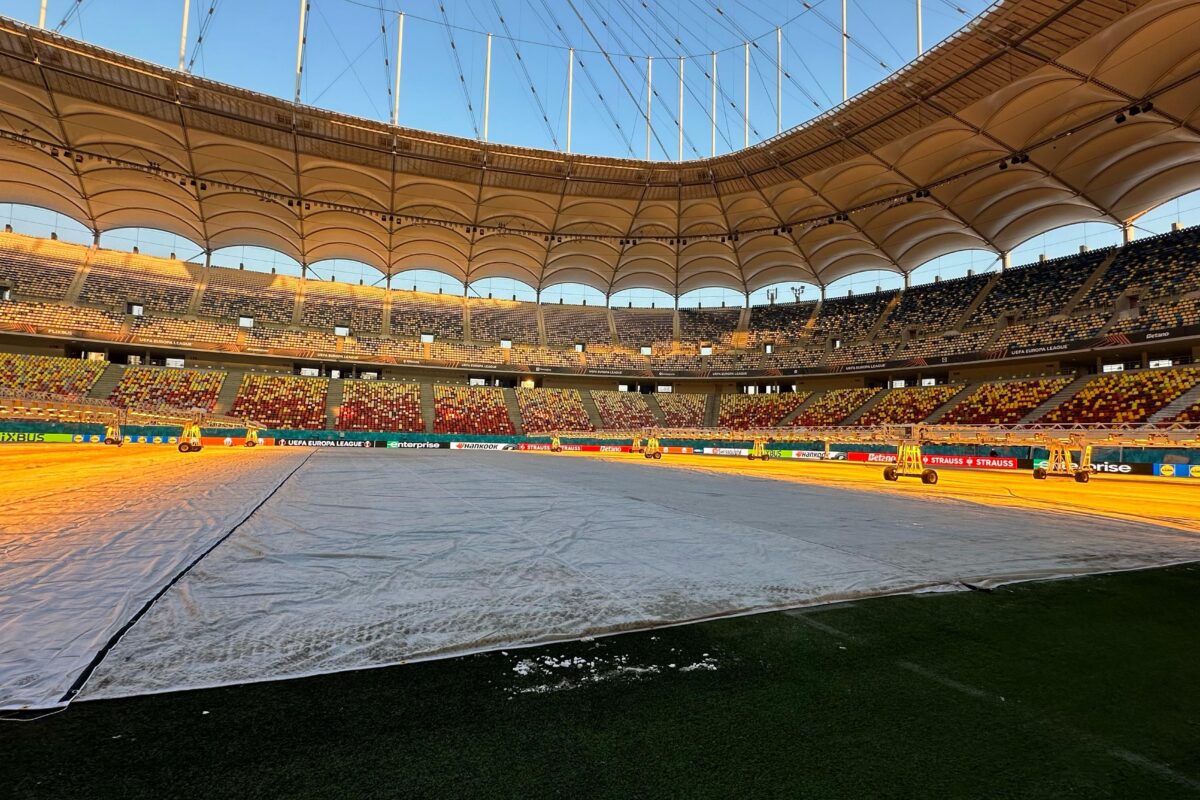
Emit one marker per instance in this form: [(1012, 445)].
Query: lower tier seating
[(623, 410), (69, 377), (682, 410), (1124, 396), (746, 411), (833, 407), (283, 401), (548, 410), (380, 406), (908, 405), (1005, 403), (149, 387), (462, 409)]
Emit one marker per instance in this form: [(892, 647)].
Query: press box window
[(426, 338), (580, 347), (1114, 367), (897, 384), (645, 350), (706, 349), (135, 309), (310, 372), (1161, 363), (928, 381), (245, 322), (5, 293), (506, 344), (341, 330), (177, 363), (768, 348)]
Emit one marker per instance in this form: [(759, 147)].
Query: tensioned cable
[(198, 48), (350, 64), (587, 73), (462, 79), (537, 98), (387, 61)]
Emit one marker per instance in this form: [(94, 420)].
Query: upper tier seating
[(156, 283), (1158, 267), (833, 407), (60, 320), (940, 345), (151, 387), (793, 359), (548, 410), (283, 401), (1037, 290), (380, 406), (710, 326), (233, 293), (458, 351), (1003, 403), (933, 306), (638, 327), (328, 304), (576, 324), (493, 320), (682, 410), (911, 404), (1162, 317), (462, 409), (545, 356), (38, 267), (746, 411), (290, 339), (170, 329), (1052, 332), (850, 318), (861, 353), (616, 358), (1124, 396), (377, 347), (415, 313), (67, 377), (623, 410), (780, 322)]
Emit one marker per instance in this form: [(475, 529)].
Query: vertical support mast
[(713, 111), (778, 80), (42, 16), (183, 31), (487, 87), (300, 47), (649, 96), (399, 65), (920, 44), (570, 92), (746, 102), (845, 40), (680, 108)]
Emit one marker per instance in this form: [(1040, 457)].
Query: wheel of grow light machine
[(658, 456), (890, 474), (185, 447), (929, 477), (1083, 476), (1039, 473), (251, 444), (766, 457)]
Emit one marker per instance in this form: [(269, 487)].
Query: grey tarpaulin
[(373, 558)]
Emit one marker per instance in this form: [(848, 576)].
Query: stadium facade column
[(1127, 232), (1005, 261), (907, 280)]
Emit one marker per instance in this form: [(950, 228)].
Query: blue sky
[(350, 55)]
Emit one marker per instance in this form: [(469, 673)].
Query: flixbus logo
[(10, 436)]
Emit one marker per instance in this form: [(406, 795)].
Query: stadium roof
[(907, 171)]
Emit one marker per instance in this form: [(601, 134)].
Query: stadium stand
[(623, 410), (462, 409), (908, 405), (459, 351), (233, 293), (380, 406), (1189, 414), (1052, 332), (933, 306), (493, 320), (38, 267), (115, 279), (778, 323), (833, 407), (861, 353), (172, 329), (941, 345), (745, 411), (283, 401), (1157, 267), (1161, 317), (66, 377), (290, 339), (616, 358), (377, 347), (850, 318), (150, 387), (60, 320), (682, 410), (328, 304), (544, 356), (415, 313), (548, 410), (1037, 290), (710, 326), (640, 327), (1124, 396), (576, 324), (1003, 403)]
